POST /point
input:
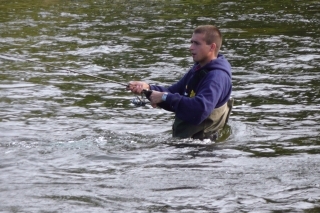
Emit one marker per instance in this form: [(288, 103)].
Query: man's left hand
[(155, 98)]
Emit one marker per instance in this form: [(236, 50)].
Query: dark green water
[(72, 143)]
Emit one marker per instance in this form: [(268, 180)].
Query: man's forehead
[(198, 36)]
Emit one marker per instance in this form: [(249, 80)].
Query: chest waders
[(210, 127)]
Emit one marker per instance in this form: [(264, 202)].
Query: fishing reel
[(137, 101)]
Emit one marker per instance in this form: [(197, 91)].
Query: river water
[(72, 143)]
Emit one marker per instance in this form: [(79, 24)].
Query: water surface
[(73, 143)]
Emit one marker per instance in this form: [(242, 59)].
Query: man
[(201, 98)]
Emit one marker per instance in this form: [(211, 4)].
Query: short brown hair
[(211, 35)]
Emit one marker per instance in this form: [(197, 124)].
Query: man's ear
[(213, 47)]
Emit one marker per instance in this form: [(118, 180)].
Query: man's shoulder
[(216, 72)]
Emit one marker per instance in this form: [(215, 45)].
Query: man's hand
[(137, 86), (155, 98)]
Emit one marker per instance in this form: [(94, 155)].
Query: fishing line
[(136, 101), (69, 70)]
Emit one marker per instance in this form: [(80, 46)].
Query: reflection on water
[(74, 143)]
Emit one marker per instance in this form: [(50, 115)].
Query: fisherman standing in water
[(201, 98)]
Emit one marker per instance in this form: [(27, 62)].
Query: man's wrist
[(164, 96)]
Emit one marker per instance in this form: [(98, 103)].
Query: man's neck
[(214, 57)]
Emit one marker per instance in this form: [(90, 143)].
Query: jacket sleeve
[(177, 89)]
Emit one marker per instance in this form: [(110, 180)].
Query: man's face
[(201, 52)]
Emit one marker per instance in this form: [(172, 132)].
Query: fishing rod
[(66, 69), (136, 101)]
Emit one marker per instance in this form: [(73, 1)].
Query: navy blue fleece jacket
[(213, 90)]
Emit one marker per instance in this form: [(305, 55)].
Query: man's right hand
[(137, 86)]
